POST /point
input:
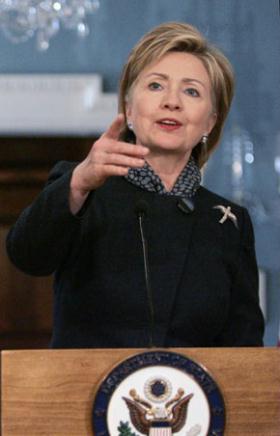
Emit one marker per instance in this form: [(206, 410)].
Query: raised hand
[(107, 157)]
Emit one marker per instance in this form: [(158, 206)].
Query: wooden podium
[(51, 392)]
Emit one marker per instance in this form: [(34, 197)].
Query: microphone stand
[(141, 214)]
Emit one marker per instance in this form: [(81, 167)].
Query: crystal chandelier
[(22, 19)]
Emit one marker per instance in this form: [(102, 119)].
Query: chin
[(169, 146)]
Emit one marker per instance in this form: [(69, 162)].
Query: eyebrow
[(184, 80)]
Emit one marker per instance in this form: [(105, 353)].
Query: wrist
[(76, 184), (77, 194)]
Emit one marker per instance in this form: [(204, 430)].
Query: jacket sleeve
[(40, 239), (245, 323)]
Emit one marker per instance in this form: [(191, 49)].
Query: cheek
[(202, 119), (141, 120), (139, 109), (142, 106)]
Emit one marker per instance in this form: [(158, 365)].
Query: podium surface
[(51, 392)]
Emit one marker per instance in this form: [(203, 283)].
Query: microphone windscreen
[(141, 208), (186, 205)]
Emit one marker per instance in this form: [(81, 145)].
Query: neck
[(167, 167)]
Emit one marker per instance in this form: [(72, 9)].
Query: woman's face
[(170, 105)]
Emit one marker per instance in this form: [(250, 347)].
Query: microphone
[(186, 205), (141, 210)]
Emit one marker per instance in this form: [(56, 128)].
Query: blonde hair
[(181, 37)]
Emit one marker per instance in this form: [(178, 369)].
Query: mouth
[(169, 124)]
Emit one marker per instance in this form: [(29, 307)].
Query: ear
[(211, 122)]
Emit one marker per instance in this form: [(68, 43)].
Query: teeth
[(173, 123)]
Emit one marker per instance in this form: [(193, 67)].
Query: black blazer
[(203, 273)]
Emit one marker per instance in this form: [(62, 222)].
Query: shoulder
[(206, 200), (61, 168), (60, 173), (211, 198)]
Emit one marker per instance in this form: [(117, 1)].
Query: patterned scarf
[(186, 185)]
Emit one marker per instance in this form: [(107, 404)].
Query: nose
[(172, 100)]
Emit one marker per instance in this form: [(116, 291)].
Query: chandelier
[(20, 20)]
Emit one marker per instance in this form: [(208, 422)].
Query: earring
[(130, 126), (204, 140)]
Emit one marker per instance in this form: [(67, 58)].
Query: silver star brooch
[(227, 213)]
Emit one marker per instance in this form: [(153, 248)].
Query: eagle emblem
[(155, 419), (158, 393)]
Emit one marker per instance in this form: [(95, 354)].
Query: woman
[(175, 94)]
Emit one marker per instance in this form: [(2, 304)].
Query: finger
[(126, 161), (120, 147), (115, 170), (114, 130)]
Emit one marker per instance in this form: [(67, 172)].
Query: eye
[(154, 86), (192, 92)]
